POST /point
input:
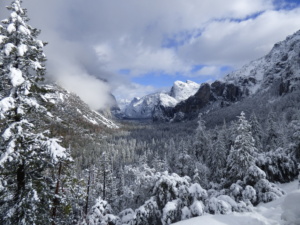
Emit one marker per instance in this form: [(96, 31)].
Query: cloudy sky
[(140, 46)]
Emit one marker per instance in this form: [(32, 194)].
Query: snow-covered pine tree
[(272, 134), (217, 158), (257, 132), (241, 155), (184, 160), (202, 143), (27, 155)]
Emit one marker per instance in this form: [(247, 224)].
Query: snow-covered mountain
[(281, 64), (142, 108), (272, 76), (70, 109)]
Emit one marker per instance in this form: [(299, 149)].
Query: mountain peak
[(143, 108), (182, 90)]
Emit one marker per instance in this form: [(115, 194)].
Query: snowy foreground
[(283, 211)]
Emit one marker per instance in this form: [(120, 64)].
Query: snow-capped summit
[(183, 90), (142, 108)]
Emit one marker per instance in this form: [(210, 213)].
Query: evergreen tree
[(184, 161), (295, 131), (119, 203), (27, 154), (272, 135), (196, 177), (202, 143), (217, 158), (257, 132), (242, 153), (159, 164)]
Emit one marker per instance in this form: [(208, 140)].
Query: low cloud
[(90, 89)]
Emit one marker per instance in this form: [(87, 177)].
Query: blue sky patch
[(286, 4), (181, 38)]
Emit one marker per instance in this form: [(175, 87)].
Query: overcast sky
[(140, 46)]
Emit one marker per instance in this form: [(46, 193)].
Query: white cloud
[(140, 59), (132, 90), (98, 38), (208, 71), (234, 43), (90, 89)]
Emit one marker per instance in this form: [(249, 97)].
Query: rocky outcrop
[(216, 93)]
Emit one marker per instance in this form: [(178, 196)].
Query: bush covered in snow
[(197, 192), (218, 206), (172, 212), (126, 216), (197, 208), (249, 194), (147, 214), (236, 191), (267, 191), (253, 175), (101, 214), (168, 188), (278, 165)]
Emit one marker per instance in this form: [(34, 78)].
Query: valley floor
[(264, 214)]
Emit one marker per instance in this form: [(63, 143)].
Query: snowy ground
[(264, 214)]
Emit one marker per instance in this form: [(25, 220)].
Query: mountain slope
[(69, 118), (70, 108), (281, 64), (273, 75)]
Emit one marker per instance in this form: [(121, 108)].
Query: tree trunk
[(56, 199)]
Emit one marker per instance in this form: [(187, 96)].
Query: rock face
[(220, 92), (142, 108), (277, 73)]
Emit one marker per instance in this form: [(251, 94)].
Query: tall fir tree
[(28, 155), (242, 153), (257, 132), (217, 158), (202, 143), (272, 140)]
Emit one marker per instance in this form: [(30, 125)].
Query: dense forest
[(53, 172)]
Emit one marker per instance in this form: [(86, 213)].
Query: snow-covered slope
[(142, 108), (69, 107), (281, 63), (283, 211)]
